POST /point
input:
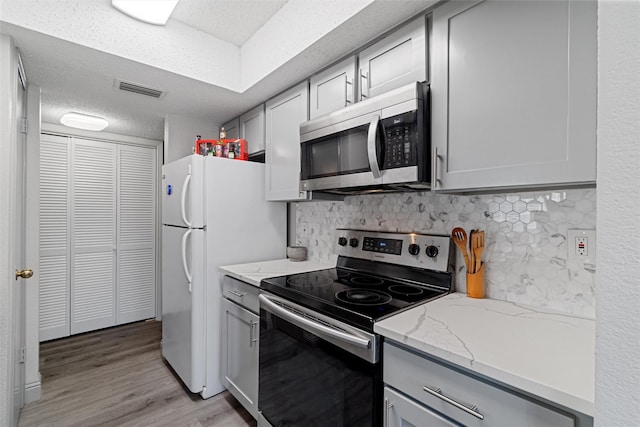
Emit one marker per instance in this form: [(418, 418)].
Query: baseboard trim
[(33, 391)]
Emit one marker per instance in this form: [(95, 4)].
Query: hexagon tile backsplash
[(525, 237)]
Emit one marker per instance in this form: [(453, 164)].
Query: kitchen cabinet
[(284, 113), (252, 129), (400, 411), (468, 400), (241, 331), (513, 94), (398, 59), (232, 128), (97, 240), (333, 88)]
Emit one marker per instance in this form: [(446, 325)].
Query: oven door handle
[(310, 325), (371, 146)]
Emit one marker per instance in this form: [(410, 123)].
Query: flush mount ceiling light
[(155, 12), (83, 121)]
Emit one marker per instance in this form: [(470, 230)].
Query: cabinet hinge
[(22, 126), (21, 355)]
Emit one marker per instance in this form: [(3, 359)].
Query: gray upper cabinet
[(284, 113), (252, 129), (333, 88), (233, 129), (396, 60), (513, 94)]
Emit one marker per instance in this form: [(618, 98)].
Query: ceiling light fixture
[(155, 12), (83, 121)]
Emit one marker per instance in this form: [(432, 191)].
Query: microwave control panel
[(400, 141)]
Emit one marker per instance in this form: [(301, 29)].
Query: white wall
[(618, 223), (180, 135)]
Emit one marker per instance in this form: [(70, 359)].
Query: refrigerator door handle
[(185, 236), (183, 199)]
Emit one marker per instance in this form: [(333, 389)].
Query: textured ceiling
[(230, 20), (75, 50)]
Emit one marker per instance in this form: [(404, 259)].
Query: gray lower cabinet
[(513, 94), (415, 382), (241, 330), (401, 411)]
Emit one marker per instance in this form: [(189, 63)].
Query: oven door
[(314, 370)]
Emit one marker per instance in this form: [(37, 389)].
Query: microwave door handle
[(371, 146)]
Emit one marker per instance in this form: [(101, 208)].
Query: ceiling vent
[(139, 89)]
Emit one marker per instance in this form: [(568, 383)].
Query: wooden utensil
[(477, 243), (472, 255), (459, 237)]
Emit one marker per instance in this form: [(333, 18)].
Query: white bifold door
[(98, 225)]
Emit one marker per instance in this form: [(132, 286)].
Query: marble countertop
[(254, 272), (545, 353)]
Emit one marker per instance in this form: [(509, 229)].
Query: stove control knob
[(342, 241), (414, 249), (353, 242), (432, 251)]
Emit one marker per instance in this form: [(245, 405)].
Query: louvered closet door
[(54, 237), (136, 233), (93, 237)]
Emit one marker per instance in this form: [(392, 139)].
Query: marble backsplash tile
[(525, 237)]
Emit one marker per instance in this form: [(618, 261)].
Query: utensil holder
[(475, 283)]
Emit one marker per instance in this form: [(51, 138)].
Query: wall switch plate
[(581, 245)]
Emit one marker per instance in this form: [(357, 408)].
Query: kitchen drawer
[(453, 391), (241, 293), (401, 411)]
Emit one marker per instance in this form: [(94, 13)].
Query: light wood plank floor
[(117, 377)]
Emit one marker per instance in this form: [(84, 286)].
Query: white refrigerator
[(213, 213)]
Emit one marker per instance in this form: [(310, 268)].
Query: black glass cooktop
[(354, 297)]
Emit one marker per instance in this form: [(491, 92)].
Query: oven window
[(307, 381)]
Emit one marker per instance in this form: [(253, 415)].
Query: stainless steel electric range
[(319, 357)]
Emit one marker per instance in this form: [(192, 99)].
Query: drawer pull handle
[(471, 409), (237, 293)]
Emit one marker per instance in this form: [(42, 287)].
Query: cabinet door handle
[(469, 409), (436, 159), (387, 405), (237, 293), (348, 87), (253, 338), (362, 86)]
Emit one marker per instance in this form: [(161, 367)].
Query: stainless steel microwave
[(380, 144)]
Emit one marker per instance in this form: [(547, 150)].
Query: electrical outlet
[(581, 245)]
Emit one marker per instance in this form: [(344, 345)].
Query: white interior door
[(136, 233), (54, 237), (93, 237), (19, 242)]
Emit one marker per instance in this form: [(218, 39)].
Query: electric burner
[(406, 290), (366, 281), (363, 297), (376, 275), (309, 282)]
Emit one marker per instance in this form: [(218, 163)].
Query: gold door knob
[(25, 274)]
